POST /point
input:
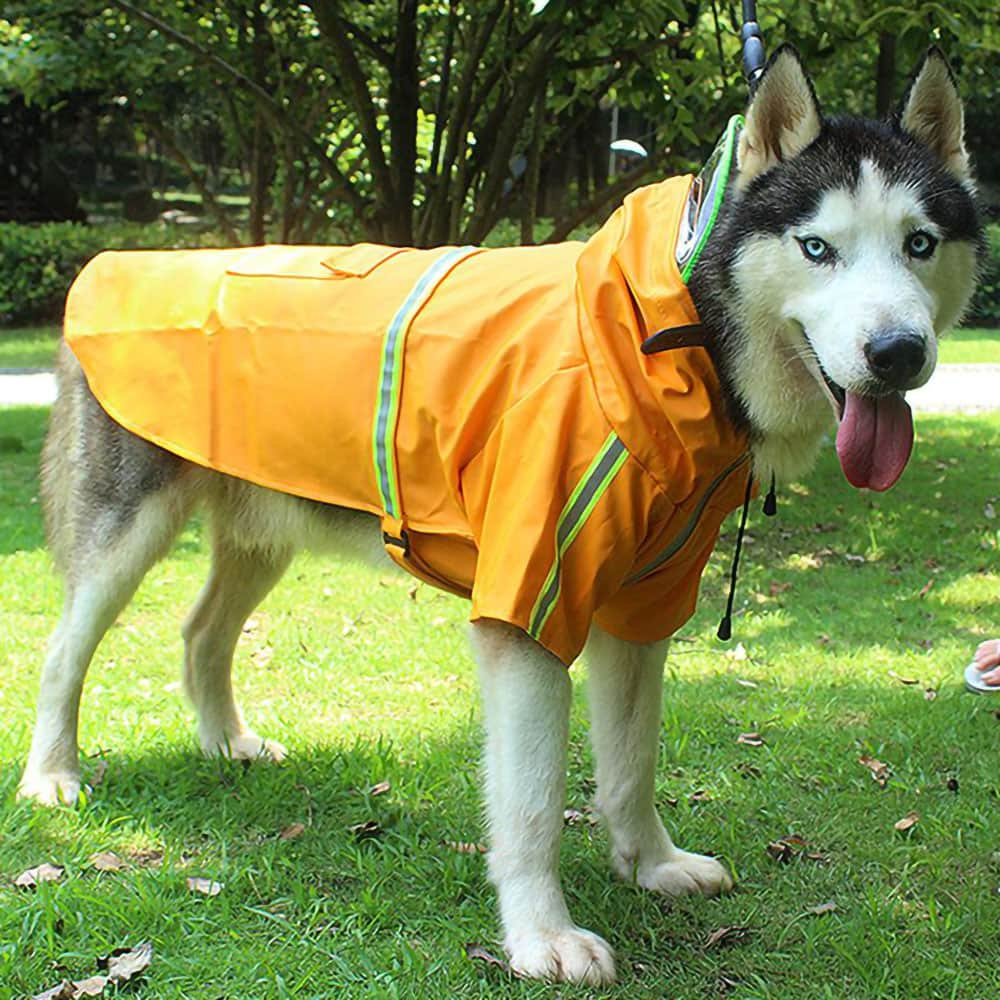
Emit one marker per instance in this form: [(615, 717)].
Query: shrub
[(38, 263), (985, 307)]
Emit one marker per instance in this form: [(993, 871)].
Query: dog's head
[(855, 246)]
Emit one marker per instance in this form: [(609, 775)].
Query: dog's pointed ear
[(932, 112), (783, 117)]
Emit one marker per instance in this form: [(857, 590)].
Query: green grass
[(35, 347), (971, 346), (365, 683), (28, 346)]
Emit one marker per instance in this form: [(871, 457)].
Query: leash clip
[(754, 56)]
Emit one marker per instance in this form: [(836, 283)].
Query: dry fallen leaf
[(726, 984), (726, 936), (205, 886), (818, 911), (700, 796), (778, 588), (793, 846), (33, 877), (107, 861), (930, 694), (99, 772), (380, 789), (367, 830), (925, 589), (146, 857), (745, 683), (64, 991), (909, 821), (124, 964), (880, 772), (465, 847), (750, 739), (738, 653), (903, 680), (478, 953), (262, 656), (121, 966), (292, 831)]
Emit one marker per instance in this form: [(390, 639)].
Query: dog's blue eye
[(816, 250), (921, 245)]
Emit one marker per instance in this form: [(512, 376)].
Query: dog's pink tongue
[(874, 440)]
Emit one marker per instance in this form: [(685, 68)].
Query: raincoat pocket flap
[(360, 260)]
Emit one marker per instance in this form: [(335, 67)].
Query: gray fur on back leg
[(95, 473)]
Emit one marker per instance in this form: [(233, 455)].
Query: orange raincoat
[(491, 406)]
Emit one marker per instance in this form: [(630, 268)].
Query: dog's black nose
[(896, 356)]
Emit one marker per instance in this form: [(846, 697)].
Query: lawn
[(857, 614), (35, 347), (28, 346), (969, 346)]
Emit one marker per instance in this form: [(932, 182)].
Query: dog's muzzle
[(896, 357)]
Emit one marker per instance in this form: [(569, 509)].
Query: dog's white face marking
[(869, 261), (874, 283)]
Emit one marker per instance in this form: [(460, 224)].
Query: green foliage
[(38, 263), (985, 308)]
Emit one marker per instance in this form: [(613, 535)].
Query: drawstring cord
[(770, 509)]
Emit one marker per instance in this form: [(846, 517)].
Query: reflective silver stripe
[(391, 375), (675, 546), (598, 477)]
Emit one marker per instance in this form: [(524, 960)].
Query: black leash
[(753, 46), (754, 58)]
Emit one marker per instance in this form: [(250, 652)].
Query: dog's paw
[(570, 955), (246, 746), (61, 788), (684, 875)]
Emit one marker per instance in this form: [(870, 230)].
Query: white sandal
[(974, 680)]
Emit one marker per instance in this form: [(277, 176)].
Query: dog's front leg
[(625, 684), (526, 701)]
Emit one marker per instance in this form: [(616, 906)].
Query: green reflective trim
[(581, 503), (719, 184), (391, 376), (685, 533)]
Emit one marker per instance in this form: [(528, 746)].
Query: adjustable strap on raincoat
[(394, 535)]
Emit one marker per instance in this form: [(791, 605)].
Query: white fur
[(92, 602), (625, 685), (800, 312), (526, 702)]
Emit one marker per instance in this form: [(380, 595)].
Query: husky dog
[(844, 248)]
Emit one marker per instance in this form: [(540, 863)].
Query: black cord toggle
[(771, 500)]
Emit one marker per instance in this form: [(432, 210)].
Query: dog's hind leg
[(111, 550), (526, 701), (240, 579), (625, 684)]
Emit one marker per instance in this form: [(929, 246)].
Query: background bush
[(38, 263), (985, 308)]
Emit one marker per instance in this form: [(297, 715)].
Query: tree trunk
[(531, 172), (404, 86), (885, 74)]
